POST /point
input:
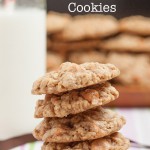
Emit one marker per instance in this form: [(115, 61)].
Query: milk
[(22, 60)]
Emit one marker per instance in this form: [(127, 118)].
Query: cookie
[(57, 21), (80, 57), (75, 101), (135, 24), (88, 27), (126, 42), (71, 76), (54, 60), (140, 64), (89, 125), (77, 45), (116, 141)]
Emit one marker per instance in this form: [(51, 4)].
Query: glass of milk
[(22, 60)]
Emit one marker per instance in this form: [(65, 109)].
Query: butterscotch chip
[(57, 21), (77, 45), (54, 60), (135, 24), (71, 76), (89, 125), (140, 64), (126, 42), (88, 27), (116, 141), (80, 57), (75, 101)]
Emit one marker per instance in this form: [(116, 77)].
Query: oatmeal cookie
[(89, 125), (75, 101), (57, 21), (140, 64), (126, 42), (54, 60), (80, 57), (135, 24), (88, 27), (71, 76), (116, 141), (77, 45)]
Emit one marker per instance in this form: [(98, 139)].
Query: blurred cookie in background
[(57, 21), (126, 42), (88, 27), (135, 24), (135, 68), (54, 60), (105, 39), (80, 57), (77, 45)]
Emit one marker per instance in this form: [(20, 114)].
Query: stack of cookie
[(72, 112)]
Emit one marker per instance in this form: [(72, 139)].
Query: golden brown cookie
[(88, 27), (135, 24), (54, 60), (80, 57), (89, 125), (75, 101), (135, 68), (71, 76), (77, 45), (126, 42), (57, 21), (116, 141)]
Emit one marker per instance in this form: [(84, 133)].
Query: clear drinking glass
[(22, 60)]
